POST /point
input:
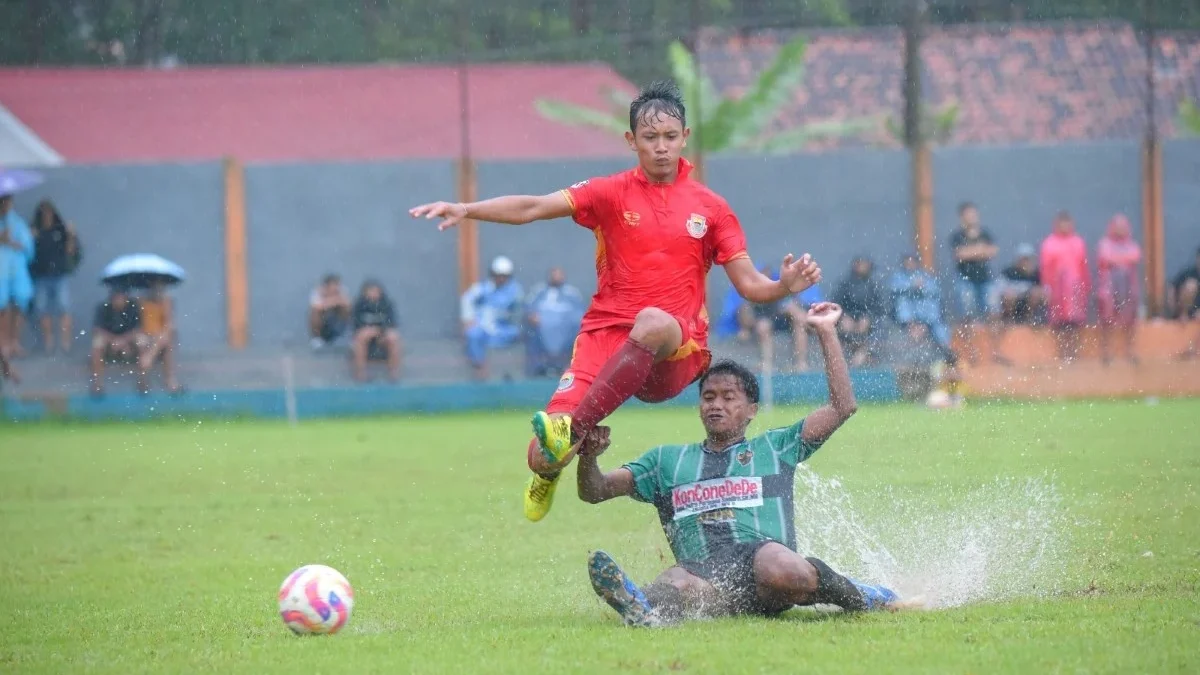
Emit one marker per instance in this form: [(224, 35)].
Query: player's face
[(724, 408), (658, 141)]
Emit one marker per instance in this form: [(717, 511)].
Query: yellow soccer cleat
[(539, 496), (553, 435)]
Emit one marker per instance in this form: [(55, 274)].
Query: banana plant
[(722, 123), (1189, 117), (937, 126)]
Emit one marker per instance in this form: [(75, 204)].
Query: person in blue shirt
[(16, 287), (917, 301), (555, 312), (491, 313)]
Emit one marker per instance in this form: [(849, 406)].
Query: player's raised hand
[(800, 274), (596, 442), (824, 315), (452, 213)]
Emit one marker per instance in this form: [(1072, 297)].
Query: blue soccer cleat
[(876, 596), (618, 590)]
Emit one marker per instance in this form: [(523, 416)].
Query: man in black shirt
[(1020, 289), (863, 307), (1184, 292), (973, 252), (375, 333), (117, 335)]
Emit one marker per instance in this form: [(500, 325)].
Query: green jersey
[(709, 499)]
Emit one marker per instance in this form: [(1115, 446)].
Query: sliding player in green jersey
[(726, 505)]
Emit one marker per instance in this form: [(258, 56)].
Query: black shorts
[(730, 569)]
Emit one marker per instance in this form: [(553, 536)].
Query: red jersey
[(655, 243)]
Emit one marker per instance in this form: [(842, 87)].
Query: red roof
[(306, 112)]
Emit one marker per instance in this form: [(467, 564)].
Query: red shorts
[(593, 348)]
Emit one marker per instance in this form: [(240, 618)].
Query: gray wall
[(305, 220), (175, 211), (1181, 203)]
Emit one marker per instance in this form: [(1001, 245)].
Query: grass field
[(161, 547)]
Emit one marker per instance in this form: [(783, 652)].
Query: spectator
[(16, 288), (863, 307), (764, 321), (491, 314), (1183, 295), (376, 335), (1021, 298), (158, 331), (555, 312), (1065, 274), (328, 312), (973, 253), (1118, 292), (917, 303), (117, 336), (56, 256)]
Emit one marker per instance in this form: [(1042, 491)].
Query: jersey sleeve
[(647, 486), (591, 201), (729, 241), (789, 444)]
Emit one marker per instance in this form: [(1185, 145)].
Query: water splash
[(1006, 539)]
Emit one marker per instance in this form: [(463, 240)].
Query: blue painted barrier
[(869, 386)]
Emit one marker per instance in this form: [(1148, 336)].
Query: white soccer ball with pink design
[(315, 600)]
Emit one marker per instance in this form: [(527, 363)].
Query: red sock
[(621, 377)]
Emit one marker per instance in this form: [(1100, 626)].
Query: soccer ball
[(315, 599)]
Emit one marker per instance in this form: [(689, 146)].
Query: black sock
[(667, 602), (835, 589)]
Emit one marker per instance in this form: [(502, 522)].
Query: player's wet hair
[(741, 373), (657, 99)]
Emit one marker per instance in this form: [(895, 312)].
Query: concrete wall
[(172, 210), (305, 220), (1181, 203)]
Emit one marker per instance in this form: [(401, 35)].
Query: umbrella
[(141, 270), (13, 181)]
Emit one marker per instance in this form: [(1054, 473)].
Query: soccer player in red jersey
[(658, 232)]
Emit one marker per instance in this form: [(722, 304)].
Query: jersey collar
[(685, 169)]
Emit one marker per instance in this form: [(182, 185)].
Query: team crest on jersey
[(632, 218), (579, 184), (566, 382), (745, 456), (697, 225)]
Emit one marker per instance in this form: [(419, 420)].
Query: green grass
[(160, 547)]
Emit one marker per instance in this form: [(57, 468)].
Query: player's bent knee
[(783, 573)]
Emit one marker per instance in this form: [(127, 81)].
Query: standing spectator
[(917, 303), (16, 288), (1183, 295), (491, 314), (328, 312), (158, 331), (555, 312), (974, 250), (1118, 292), (57, 254), (375, 332), (117, 335), (863, 307), (1022, 300), (1065, 274)]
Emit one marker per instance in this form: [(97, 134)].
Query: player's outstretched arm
[(595, 486), (820, 424), (795, 275), (509, 210)]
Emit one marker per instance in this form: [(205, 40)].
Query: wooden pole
[(468, 230), (1154, 240), (914, 137), (237, 288)]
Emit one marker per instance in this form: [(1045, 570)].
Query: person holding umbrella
[(16, 287)]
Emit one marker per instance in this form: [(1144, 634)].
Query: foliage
[(937, 126), (1189, 117)]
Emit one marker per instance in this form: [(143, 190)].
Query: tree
[(719, 124), (1189, 117), (937, 126)]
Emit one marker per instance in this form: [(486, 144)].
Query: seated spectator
[(917, 303), (863, 308), (328, 312), (117, 336), (1183, 295), (376, 336), (56, 256), (554, 313), (158, 330), (764, 321), (1021, 298), (491, 314)]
